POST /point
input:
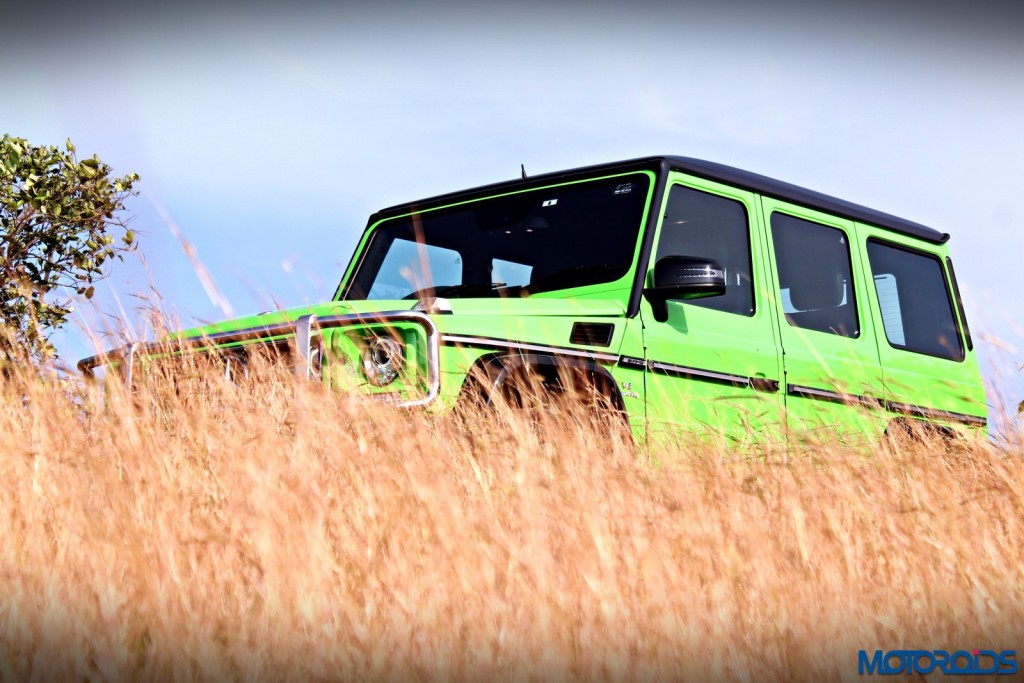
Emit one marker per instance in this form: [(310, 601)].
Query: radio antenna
[(522, 169)]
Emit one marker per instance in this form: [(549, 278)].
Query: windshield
[(541, 240)]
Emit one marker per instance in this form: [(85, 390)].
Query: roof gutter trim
[(709, 170), (811, 199)]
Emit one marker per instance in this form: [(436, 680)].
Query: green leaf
[(66, 240)]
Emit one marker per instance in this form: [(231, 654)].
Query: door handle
[(764, 384)]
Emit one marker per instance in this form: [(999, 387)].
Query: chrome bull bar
[(303, 330)]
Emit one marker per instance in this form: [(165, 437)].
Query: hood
[(267, 318), (513, 308)]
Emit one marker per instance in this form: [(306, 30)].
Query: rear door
[(713, 365), (833, 383), (928, 361)]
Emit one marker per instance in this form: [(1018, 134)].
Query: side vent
[(592, 334)]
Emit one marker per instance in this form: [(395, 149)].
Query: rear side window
[(815, 281), (917, 313), (707, 225)]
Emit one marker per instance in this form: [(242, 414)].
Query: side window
[(707, 225), (917, 313), (815, 280)]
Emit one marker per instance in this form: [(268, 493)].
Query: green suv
[(693, 298)]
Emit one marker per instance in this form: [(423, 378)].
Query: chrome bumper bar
[(304, 331)]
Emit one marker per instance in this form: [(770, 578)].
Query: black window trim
[(655, 177), (750, 237), (649, 227), (710, 170), (661, 166), (849, 259), (959, 304), (949, 300)]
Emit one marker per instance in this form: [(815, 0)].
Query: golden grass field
[(275, 532)]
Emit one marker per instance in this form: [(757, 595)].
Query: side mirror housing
[(683, 277)]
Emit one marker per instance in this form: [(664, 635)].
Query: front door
[(713, 366)]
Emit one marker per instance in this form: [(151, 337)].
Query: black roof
[(705, 169)]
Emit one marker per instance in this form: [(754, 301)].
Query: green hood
[(510, 308)]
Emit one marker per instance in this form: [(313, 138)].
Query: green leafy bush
[(57, 215)]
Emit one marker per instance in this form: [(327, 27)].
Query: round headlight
[(382, 360)]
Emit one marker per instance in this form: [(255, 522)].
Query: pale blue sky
[(269, 137)]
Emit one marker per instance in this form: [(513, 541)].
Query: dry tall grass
[(275, 532)]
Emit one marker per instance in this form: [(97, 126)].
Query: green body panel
[(489, 327), (916, 379), (847, 366), (697, 338), (673, 377)]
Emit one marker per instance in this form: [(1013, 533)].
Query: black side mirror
[(683, 277)]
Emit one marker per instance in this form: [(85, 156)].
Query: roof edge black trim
[(652, 164), (710, 170), (778, 189)]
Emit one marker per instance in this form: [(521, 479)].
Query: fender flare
[(916, 428), (490, 373)]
